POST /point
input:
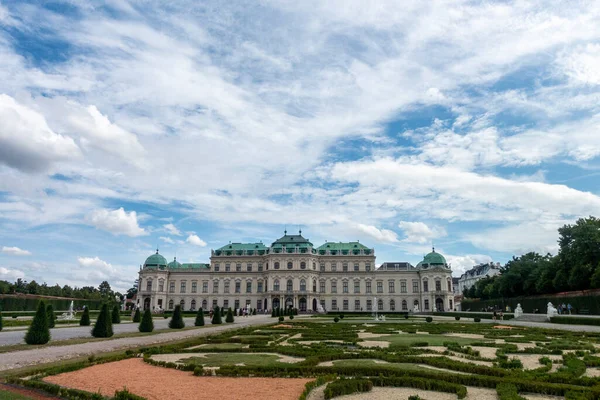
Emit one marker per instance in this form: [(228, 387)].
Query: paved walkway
[(49, 354)]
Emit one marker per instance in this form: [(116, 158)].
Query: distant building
[(455, 286), (477, 273)]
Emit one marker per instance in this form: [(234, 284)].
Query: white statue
[(552, 312), (416, 309), (320, 309), (518, 311)]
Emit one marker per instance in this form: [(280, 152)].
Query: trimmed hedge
[(216, 319), (176, 321), (490, 315), (199, 318), (147, 325), (508, 391), (28, 306), (137, 315), (39, 332), (103, 326), (85, 318), (116, 316), (575, 320), (229, 319), (347, 386), (51, 316)]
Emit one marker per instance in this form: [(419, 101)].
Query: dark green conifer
[(229, 318), (137, 317), (216, 316), (0, 320), (177, 320), (103, 326), (147, 325), (38, 332), (116, 315), (85, 317), (51, 316), (199, 318), (273, 312)]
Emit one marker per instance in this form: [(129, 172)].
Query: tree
[(33, 287), (0, 320), (229, 318), (136, 316), (85, 317), (116, 316), (103, 325), (216, 316), (199, 318), (38, 332), (105, 289), (51, 316), (273, 314), (595, 280), (131, 292), (147, 325), (177, 320)]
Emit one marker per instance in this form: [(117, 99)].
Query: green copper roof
[(191, 266), (155, 260), (174, 264), (342, 246), (434, 258), (293, 240), (243, 246)]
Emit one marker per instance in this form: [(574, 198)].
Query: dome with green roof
[(155, 261), (433, 259), (174, 264)]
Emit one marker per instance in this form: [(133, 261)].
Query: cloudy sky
[(125, 126)]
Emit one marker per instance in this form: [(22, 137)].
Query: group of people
[(564, 309)]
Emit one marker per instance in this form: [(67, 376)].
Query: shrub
[(341, 316), (103, 326), (254, 312), (51, 316), (281, 318), (176, 321), (414, 397), (199, 318), (116, 316), (147, 325), (347, 386), (508, 391), (0, 320), (476, 319), (216, 316), (137, 316), (273, 313), (222, 312), (405, 316), (229, 318), (126, 395), (336, 319), (38, 332), (15, 316), (85, 317), (457, 318), (291, 317), (429, 319)]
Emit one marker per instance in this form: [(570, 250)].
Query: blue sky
[(129, 125)]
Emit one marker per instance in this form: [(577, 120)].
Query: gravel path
[(23, 358)]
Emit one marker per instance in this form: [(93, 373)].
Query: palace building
[(292, 272)]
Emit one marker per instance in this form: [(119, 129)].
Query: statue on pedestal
[(416, 309), (518, 311), (552, 312)]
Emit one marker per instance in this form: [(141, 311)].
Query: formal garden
[(355, 357)]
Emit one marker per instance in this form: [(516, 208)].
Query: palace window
[(449, 286), (149, 285), (368, 267), (194, 287), (290, 285), (345, 305), (392, 305), (260, 267), (215, 286), (345, 267), (356, 286), (321, 286), (249, 267), (404, 305), (415, 286), (368, 286), (236, 304), (426, 304), (214, 303), (314, 286), (259, 289), (314, 266), (450, 304), (193, 305), (182, 288), (204, 304), (357, 305), (276, 285), (333, 304), (248, 286), (182, 305), (333, 267), (356, 267), (276, 265), (204, 286), (172, 287), (227, 267), (170, 304), (238, 267), (217, 266), (369, 305), (226, 290), (302, 285), (259, 304), (302, 265), (238, 287), (438, 286), (290, 265), (425, 286), (322, 267), (402, 286), (345, 286), (333, 287), (380, 305), (379, 287), (391, 288), (225, 303), (161, 286)]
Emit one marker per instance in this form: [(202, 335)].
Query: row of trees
[(86, 292), (575, 267)]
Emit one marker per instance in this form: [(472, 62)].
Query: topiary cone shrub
[(291, 317), (457, 318), (229, 318), (477, 319), (429, 319), (137, 317), (51, 316), (85, 317), (147, 325), (199, 318), (273, 314), (222, 312), (281, 318), (176, 321), (341, 316), (336, 319), (103, 326), (38, 332), (116, 316), (217, 316)]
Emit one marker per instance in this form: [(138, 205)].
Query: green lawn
[(373, 363), (4, 395), (432, 340), (223, 346), (221, 359)]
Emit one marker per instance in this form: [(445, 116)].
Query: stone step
[(533, 318)]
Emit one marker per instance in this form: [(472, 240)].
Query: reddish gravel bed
[(157, 383)]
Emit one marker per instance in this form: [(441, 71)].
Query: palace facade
[(292, 272)]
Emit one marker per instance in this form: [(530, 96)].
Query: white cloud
[(26, 141), (196, 241), (582, 64), (167, 239), (460, 264), (15, 251), (172, 229), (117, 222), (419, 232), (381, 235), (519, 238), (11, 274)]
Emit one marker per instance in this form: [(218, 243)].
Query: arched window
[(149, 285), (449, 285), (302, 265), (425, 285), (315, 285), (314, 266), (438, 285), (170, 304), (204, 304), (426, 305), (404, 305), (290, 285), (290, 265), (302, 285), (276, 265), (193, 305), (392, 305), (182, 304), (380, 305), (276, 285)]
